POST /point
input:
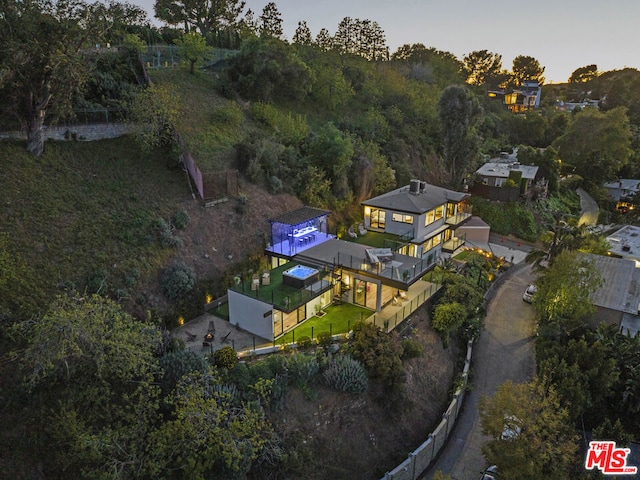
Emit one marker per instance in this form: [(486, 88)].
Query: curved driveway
[(588, 209), (503, 352)]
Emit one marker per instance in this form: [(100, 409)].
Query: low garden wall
[(82, 132)]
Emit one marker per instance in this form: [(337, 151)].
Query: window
[(429, 218), (378, 218), (451, 209), (432, 242), (399, 217), (439, 212)]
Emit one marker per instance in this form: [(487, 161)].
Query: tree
[(480, 65), (546, 159), (192, 48), (324, 40), (211, 433), (302, 35), (332, 150), (447, 318), (429, 64), (527, 68), (271, 21), (154, 112), (584, 74), (207, 16), (360, 37), (539, 440), (562, 299), (459, 113), (41, 60), (91, 372), (597, 144)]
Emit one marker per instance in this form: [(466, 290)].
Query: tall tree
[(584, 74), (597, 144), (41, 60), (324, 40), (302, 35), (481, 65), (207, 16), (526, 68), (271, 21), (459, 113)]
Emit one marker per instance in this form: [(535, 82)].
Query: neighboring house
[(519, 100), (495, 173), (425, 215), (625, 243), (617, 301), (624, 189), (310, 269)]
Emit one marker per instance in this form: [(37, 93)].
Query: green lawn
[(377, 240), (338, 319)]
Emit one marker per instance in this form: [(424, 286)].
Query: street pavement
[(503, 352)]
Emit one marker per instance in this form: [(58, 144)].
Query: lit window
[(398, 217)]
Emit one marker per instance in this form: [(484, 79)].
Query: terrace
[(276, 291)]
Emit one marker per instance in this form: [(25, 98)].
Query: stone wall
[(86, 133)]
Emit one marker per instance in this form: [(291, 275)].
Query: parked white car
[(528, 293), (490, 473)]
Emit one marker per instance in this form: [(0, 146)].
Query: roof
[(620, 287), (625, 242), (503, 169), (402, 200), (624, 184), (475, 222), (301, 215)]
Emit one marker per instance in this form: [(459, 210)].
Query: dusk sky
[(562, 35)]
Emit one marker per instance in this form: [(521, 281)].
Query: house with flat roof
[(625, 243), (401, 238)]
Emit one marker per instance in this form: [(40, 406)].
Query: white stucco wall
[(249, 314)]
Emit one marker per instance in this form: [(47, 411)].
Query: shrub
[(324, 339), (226, 357), (181, 219), (379, 353), (165, 234), (346, 374), (304, 342), (178, 281), (411, 348), (176, 365), (302, 368)]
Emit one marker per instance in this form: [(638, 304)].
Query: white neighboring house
[(496, 172)]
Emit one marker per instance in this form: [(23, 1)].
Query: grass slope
[(80, 213)]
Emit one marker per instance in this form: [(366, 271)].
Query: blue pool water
[(301, 272)]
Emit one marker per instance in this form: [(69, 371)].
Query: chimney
[(423, 187), (414, 187)]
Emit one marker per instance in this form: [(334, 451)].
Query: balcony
[(453, 244), (458, 218)]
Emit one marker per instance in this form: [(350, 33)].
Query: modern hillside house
[(425, 215), (522, 99), (311, 269)]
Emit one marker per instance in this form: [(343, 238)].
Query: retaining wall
[(86, 133)]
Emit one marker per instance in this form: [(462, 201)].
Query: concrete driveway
[(503, 352)]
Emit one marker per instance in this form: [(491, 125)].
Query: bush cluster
[(346, 374), (178, 281)]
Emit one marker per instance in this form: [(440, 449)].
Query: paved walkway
[(588, 209), (503, 352)]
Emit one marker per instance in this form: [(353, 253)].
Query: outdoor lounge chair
[(351, 233), (361, 229), (255, 282), (402, 295), (266, 278)]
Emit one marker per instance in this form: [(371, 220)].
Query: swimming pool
[(300, 276)]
